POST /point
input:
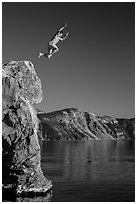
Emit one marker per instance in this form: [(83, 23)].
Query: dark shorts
[(51, 47)]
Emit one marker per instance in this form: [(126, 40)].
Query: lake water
[(92, 171)]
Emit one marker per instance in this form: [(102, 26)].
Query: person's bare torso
[(54, 40)]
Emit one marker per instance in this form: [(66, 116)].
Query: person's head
[(60, 33)]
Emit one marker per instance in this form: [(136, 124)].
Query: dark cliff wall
[(76, 125)]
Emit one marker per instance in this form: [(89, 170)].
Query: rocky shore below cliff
[(73, 124)]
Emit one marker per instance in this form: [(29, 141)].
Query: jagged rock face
[(73, 124), (21, 159)]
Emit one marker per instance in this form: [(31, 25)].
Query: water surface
[(90, 170)]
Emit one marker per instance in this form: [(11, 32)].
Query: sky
[(94, 69)]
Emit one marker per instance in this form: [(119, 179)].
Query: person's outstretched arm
[(64, 37), (63, 27)]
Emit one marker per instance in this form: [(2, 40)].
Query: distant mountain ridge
[(73, 124)]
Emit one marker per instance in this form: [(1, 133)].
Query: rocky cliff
[(21, 159), (72, 124)]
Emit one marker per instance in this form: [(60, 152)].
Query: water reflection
[(90, 171), (94, 160)]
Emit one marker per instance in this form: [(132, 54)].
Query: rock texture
[(21, 159), (72, 124)]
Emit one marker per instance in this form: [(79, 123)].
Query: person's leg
[(40, 54), (51, 50), (55, 49)]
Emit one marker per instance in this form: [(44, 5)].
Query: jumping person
[(52, 48)]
